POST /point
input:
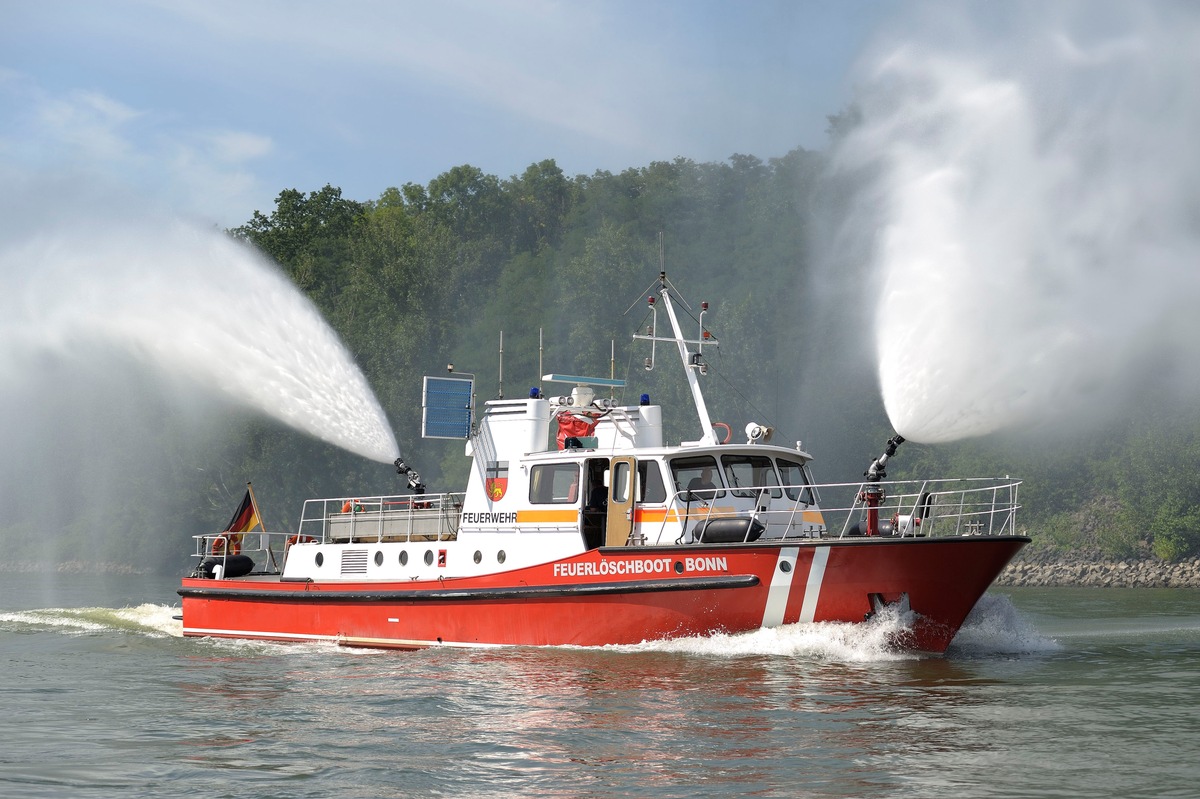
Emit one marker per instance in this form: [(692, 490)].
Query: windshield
[(747, 475), (698, 476), (796, 480)]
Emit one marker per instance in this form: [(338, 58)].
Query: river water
[(1046, 693)]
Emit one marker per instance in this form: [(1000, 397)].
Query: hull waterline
[(752, 587)]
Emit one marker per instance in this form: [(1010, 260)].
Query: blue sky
[(211, 107)]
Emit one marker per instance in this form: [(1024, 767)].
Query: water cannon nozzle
[(415, 484), (876, 471)]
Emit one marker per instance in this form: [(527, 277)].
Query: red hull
[(621, 596)]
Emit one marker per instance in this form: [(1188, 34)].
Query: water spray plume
[(1035, 200), (192, 305)]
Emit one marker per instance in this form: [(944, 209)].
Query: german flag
[(246, 517)]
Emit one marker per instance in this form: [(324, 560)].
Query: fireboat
[(581, 526)]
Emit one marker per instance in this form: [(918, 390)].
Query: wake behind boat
[(580, 526)]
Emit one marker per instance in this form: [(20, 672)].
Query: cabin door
[(622, 491)]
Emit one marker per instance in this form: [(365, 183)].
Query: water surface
[(1047, 692)]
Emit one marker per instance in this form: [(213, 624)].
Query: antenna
[(612, 366), (693, 361), (501, 373)]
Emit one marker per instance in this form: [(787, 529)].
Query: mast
[(692, 361)]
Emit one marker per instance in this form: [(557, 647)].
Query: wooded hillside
[(429, 275)]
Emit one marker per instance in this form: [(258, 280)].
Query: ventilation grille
[(354, 561)]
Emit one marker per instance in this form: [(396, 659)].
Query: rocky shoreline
[(1048, 568)]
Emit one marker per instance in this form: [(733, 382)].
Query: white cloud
[(267, 94), (231, 146), (559, 64), (88, 136), (85, 125)]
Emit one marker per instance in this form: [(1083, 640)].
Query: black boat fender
[(233, 566), (728, 531)]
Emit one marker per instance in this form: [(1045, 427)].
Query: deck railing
[(426, 517), (930, 508), (419, 517), (266, 549)]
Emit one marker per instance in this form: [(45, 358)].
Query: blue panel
[(446, 407)]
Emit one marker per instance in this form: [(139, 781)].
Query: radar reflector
[(446, 407)]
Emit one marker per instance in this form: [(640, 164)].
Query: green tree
[(309, 236), (541, 200)]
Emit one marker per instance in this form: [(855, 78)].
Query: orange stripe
[(542, 516), (669, 515), (649, 515), (653, 515)]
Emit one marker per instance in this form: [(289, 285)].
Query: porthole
[(500, 556), (378, 558), (478, 556), (404, 557), (429, 557), (320, 558), (679, 567), (785, 566)]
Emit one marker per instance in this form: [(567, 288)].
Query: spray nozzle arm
[(876, 471), (414, 480)]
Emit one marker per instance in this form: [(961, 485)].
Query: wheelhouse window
[(697, 476), (650, 483), (795, 477), (749, 475), (554, 484)]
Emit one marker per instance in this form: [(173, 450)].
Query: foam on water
[(155, 621), (995, 627), (189, 304), (850, 643), (1033, 191)]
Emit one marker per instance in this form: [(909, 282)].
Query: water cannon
[(414, 480), (876, 471)]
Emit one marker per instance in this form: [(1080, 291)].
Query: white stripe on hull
[(812, 589), (781, 587)]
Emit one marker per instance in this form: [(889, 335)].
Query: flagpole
[(254, 505), (261, 526)]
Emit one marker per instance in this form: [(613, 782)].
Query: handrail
[(925, 508), (257, 541), (380, 518), (906, 508)]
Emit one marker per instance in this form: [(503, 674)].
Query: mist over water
[(90, 300), (1033, 203)]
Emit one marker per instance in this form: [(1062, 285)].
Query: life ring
[(728, 432), (226, 544), (297, 539), (352, 506)]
